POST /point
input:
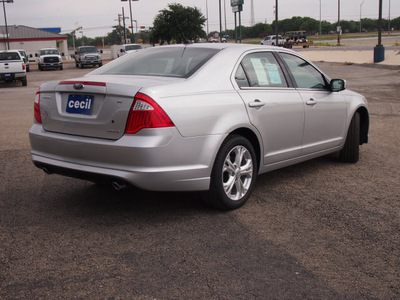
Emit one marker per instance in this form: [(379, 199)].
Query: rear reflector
[(146, 113)]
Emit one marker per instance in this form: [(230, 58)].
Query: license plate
[(80, 104), (7, 75)]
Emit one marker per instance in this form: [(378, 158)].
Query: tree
[(178, 23)]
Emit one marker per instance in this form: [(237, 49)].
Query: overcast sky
[(98, 16)]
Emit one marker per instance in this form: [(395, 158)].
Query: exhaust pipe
[(118, 185), (46, 170)]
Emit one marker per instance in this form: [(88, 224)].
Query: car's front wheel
[(234, 174), (351, 150)]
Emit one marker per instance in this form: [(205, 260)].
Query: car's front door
[(275, 109), (325, 111)]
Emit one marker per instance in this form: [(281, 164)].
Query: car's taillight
[(146, 113), (36, 108), (23, 66)]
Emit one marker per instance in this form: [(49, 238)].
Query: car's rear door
[(275, 109)]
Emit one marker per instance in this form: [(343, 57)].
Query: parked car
[(25, 58), (198, 117), (49, 58), (88, 56), (271, 40), (127, 48), (12, 67)]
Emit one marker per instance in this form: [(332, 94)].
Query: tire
[(40, 68), (76, 64), (24, 82), (100, 65), (233, 175), (61, 68), (81, 65), (351, 150)]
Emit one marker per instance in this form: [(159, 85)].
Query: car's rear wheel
[(351, 150), (234, 174), (24, 82)]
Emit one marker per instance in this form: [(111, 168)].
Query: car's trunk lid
[(92, 106)]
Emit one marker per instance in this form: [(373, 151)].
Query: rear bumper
[(12, 76), (157, 159)]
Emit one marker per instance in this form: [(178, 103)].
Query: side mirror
[(337, 85)]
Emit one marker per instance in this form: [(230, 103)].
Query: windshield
[(132, 47), (88, 50), (49, 51), (160, 61)]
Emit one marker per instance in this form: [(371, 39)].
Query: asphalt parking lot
[(318, 230)]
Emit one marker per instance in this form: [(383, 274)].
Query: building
[(31, 39)]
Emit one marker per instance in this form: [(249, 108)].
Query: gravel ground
[(318, 230)]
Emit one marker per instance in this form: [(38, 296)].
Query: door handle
[(311, 102), (256, 103)]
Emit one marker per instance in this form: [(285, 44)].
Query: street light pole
[(5, 20), (389, 20), (320, 20), (360, 13)]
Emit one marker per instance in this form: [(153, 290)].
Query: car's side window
[(305, 75), (260, 70), (241, 78)]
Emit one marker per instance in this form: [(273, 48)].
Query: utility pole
[(119, 27), (338, 24), (220, 20), (5, 20), (276, 23), (123, 22)]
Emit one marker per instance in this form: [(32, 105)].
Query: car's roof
[(232, 46)]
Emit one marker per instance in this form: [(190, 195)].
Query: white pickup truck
[(12, 67), (49, 58)]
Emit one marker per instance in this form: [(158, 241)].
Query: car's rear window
[(161, 61), (9, 56)]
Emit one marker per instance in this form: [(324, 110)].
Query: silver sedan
[(199, 117)]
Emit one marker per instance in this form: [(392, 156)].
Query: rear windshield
[(161, 61), (9, 56)]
